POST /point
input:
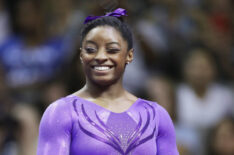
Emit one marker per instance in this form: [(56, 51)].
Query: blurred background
[(184, 60)]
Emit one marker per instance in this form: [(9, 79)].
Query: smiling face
[(104, 55)]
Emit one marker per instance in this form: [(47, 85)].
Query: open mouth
[(102, 68)]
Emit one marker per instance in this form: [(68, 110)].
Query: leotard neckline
[(100, 107)]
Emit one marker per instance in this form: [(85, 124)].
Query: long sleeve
[(55, 130), (166, 140)]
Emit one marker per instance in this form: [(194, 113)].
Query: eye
[(113, 50), (90, 50)]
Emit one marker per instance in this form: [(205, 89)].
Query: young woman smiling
[(103, 118)]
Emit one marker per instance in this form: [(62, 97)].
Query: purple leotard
[(75, 126)]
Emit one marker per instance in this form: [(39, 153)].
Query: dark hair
[(115, 22)]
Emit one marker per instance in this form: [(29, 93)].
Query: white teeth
[(101, 68)]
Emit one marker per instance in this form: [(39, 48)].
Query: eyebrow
[(90, 41), (113, 43)]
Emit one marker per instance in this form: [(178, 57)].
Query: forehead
[(200, 58), (105, 34)]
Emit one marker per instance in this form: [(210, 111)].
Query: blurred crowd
[(183, 60)]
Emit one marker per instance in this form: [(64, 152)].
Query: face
[(104, 55), (199, 70), (224, 139), (28, 16)]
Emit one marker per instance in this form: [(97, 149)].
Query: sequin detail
[(114, 140)]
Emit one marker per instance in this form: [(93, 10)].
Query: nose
[(101, 56)]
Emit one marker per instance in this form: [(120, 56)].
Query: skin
[(105, 46), (64, 134), (30, 21), (223, 143), (199, 72)]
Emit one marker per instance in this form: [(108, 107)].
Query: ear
[(129, 56), (81, 55)]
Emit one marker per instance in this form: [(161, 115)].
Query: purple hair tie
[(116, 13)]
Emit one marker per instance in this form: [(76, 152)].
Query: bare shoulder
[(79, 93), (131, 97)]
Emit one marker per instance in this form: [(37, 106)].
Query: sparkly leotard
[(75, 126)]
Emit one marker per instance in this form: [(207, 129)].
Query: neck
[(200, 91), (112, 91)]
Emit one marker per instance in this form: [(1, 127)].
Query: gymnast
[(103, 118)]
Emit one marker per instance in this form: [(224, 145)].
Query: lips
[(102, 68)]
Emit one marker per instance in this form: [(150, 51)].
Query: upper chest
[(97, 129)]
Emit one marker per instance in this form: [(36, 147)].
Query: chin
[(104, 82)]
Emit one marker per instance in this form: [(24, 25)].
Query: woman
[(103, 118)]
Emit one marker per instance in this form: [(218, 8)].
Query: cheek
[(86, 59), (120, 59)]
